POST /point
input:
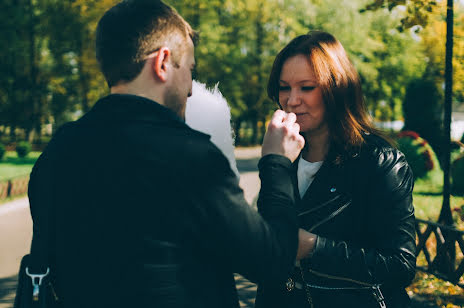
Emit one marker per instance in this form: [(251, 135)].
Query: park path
[(16, 231)]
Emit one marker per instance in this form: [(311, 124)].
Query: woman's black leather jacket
[(361, 210)]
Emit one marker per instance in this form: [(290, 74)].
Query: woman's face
[(299, 92)]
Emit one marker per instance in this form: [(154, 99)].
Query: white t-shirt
[(306, 172)]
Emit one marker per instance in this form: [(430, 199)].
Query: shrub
[(457, 175), (23, 148), (422, 111), (418, 152), (457, 148), (2, 151)]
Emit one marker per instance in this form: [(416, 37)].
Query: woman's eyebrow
[(301, 81)]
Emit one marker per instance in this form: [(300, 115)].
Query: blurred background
[(49, 75)]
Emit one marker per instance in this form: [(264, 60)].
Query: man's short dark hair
[(133, 29)]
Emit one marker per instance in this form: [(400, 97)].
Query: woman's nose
[(293, 99)]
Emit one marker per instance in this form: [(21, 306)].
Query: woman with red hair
[(354, 188)]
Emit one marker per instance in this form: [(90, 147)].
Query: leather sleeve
[(258, 247), (392, 257)]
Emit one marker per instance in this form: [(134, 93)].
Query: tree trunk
[(34, 99), (263, 128), (12, 133), (84, 84), (254, 136), (237, 125)]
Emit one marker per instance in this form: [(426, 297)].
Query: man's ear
[(161, 63)]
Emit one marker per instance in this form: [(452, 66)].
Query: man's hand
[(306, 243), (283, 136)]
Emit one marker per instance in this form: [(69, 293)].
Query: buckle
[(290, 284), (36, 282)]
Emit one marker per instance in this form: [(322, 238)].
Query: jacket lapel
[(325, 198)]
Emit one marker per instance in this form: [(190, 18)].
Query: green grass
[(428, 198), (12, 166)]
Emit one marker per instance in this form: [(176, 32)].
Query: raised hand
[(283, 136)]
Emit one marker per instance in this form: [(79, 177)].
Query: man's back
[(148, 212)]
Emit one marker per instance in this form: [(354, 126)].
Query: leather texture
[(150, 214), (361, 210)]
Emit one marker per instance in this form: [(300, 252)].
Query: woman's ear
[(161, 63)]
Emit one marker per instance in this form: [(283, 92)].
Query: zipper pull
[(379, 296)]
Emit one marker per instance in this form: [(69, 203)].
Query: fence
[(14, 187), (443, 249)]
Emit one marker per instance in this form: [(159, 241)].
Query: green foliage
[(417, 11), (457, 175), (48, 71), (23, 148), (2, 151), (422, 110), (418, 153)]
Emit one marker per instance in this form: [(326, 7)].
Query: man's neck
[(139, 90)]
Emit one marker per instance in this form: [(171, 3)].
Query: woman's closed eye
[(284, 88), (308, 88)]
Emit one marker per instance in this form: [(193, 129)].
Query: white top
[(306, 173)]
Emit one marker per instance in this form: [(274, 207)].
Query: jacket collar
[(326, 182), (126, 106)]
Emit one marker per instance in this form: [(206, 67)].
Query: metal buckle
[(36, 283), (290, 284)]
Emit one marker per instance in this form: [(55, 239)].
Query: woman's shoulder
[(381, 152)]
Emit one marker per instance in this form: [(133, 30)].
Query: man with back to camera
[(147, 211)]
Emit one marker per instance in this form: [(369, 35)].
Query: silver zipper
[(376, 292), (335, 213), (320, 206)]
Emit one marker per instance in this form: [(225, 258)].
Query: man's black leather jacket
[(148, 212), (362, 212)]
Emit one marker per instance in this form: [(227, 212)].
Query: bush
[(422, 111), (23, 148), (457, 175), (418, 153), (2, 151), (457, 148)]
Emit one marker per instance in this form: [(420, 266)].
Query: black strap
[(43, 214)]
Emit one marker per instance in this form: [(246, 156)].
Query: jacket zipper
[(332, 215), (320, 206), (375, 287), (335, 213)]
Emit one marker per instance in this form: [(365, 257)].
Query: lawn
[(12, 166)]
